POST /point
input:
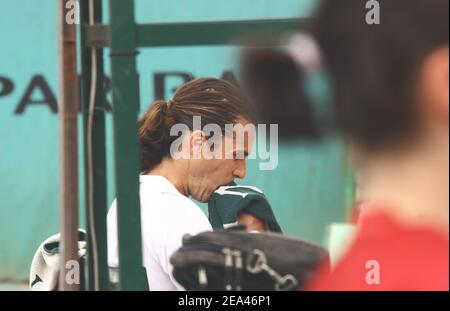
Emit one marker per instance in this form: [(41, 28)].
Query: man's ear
[(434, 84), (196, 141)]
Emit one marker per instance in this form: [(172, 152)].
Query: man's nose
[(240, 170)]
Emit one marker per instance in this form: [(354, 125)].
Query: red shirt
[(388, 256)]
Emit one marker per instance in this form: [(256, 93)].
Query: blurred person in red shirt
[(391, 91)]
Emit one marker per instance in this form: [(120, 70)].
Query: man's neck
[(413, 186), (173, 171)]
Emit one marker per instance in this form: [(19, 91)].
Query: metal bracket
[(194, 33), (97, 35)]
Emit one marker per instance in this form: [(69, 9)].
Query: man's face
[(206, 175)]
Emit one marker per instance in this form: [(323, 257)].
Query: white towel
[(44, 271)]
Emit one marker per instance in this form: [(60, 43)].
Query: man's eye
[(239, 155)]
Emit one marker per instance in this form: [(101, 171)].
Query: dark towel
[(228, 201)]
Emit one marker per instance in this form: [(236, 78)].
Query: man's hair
[(214, 100), (374, 67)]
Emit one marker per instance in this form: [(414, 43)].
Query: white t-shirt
[(166, 216)]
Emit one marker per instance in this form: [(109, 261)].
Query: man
[(391, 94), (175, 168)]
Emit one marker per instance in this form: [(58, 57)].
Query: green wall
[(306, 190)]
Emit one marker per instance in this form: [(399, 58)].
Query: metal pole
[(68, 114), (125, 96), (96, 203)]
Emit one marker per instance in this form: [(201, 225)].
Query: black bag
[(235, 259)]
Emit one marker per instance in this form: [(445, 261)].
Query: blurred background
[(310, 189)]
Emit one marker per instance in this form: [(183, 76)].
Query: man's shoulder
[(173, 207), (166, 200)]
